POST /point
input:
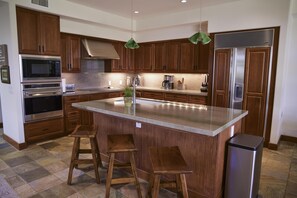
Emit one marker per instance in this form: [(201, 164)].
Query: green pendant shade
[(200, 36), (131, 44)]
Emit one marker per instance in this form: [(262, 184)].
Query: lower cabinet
[(195, 99), (44, 130), (74, 116)]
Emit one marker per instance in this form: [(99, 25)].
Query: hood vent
[(99, 50)]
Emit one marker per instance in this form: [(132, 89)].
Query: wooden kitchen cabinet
[(44, 130), (187, 57), (161, 57), (176, 97), (38, 33), (72, 115), (126, 61), (144, 58), (70, 53), (197, 99), (152, 95)]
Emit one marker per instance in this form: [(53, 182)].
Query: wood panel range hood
[(99, 50)]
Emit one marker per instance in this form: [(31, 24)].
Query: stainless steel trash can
[(243, 166)]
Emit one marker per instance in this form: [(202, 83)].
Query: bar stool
[(168, 161), (122, 143), (85, 131)]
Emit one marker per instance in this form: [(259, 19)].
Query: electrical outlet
[(138, 125)]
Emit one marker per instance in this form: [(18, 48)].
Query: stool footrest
[(85, 151), (168, 184), (83, 161), (123, 180), (122, 165)]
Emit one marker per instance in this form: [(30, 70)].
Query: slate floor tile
[(18, 161), (35, 174)]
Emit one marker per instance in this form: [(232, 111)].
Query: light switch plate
[(138, 125)]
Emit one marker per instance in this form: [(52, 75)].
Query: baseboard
[(272, 146), (289, 138), (14, 143)]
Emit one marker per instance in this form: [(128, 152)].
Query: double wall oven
[(41, 87)]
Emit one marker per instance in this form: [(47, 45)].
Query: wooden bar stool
[(85, 131), (122, 143), (168, 161)]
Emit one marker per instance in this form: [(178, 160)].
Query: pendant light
[(131, 44), (200, 36)]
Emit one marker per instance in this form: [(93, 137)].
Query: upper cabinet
[(144, 57), (126, 61), (38, 33), (174, 56), (70, 53)]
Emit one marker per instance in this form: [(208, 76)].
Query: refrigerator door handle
[(238, 96)]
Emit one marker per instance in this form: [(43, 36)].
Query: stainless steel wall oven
[(42, 100)]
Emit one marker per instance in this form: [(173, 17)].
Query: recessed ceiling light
[(136, 12), (183, 1)]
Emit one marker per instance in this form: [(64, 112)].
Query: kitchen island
[(200, 132)]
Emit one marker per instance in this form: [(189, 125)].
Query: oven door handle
[(32, 95)]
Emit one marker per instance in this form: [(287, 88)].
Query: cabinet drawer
[(153, 95), (98, 96), (115, 94), (176, 97), (42, 130), (71, 122), (68, 100), (198, 100)]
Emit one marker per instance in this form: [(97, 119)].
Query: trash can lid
[(245, 141)]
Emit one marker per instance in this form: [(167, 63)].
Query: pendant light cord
[(131, 18), (200, 15)]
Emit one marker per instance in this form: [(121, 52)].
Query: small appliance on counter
[(180, 84), (168, 82), (70, 87), (204, 84)]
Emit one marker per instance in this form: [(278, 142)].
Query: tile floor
[(41, 170)]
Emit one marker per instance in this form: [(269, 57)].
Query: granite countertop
[(200, 119), (83, 91)]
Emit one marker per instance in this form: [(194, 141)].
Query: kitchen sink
[(142, 101)]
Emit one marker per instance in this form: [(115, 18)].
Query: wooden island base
[(205, 155)]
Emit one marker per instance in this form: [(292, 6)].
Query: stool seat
[(85, 131), (120, 144), (168, 161)]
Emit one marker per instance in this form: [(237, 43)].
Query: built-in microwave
[(40, 68)]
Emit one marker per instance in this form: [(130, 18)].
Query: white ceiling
[(146, 8)]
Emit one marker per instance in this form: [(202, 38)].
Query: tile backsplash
[(92, 75)]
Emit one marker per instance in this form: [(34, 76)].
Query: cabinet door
[(152, 95), (27, 21), (70, 53), (255, 86), (160, 57), (49, 26), (221, 76), (144, 57), (176, 97), (203, 58), (198, 99), (173, 54), (129, 62), (187, 55)]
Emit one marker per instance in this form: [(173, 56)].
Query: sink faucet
[(135, 82)]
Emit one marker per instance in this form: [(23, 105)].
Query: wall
[(289, 126), (92, 76), (11, 93)]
